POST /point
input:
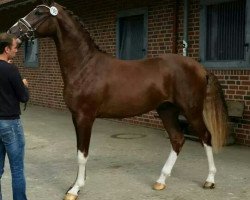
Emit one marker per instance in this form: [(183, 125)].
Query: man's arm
[(20, 86)]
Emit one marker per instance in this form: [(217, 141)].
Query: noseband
[(30, 33)]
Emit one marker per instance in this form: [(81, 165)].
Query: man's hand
[(25, 82)]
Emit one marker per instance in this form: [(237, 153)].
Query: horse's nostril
[(8, 31)]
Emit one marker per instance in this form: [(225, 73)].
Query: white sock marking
[(167, 168), (211, 166), (80, 181)]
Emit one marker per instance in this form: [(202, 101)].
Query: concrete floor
[(124, 162)]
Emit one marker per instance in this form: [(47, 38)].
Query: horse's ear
[(48, 2), (44, 2)]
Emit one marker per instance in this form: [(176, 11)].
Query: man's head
[(8, 45)]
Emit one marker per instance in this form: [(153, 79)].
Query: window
[(225, 33), (131, 34), (31, 53)]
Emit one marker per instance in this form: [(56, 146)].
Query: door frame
[(128, 13)]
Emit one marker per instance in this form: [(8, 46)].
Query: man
[(13, 90)]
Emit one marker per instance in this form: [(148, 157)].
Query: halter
[(30, 34)]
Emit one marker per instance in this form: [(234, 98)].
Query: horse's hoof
[(208, 185), (69, 196), (159, 186)]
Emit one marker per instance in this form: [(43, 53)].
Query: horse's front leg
[(83, 125)]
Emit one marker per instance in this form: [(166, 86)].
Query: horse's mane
[(79, 20)]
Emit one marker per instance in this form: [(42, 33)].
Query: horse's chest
[(78, 94)]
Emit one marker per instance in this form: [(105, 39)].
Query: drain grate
[(127, 136)]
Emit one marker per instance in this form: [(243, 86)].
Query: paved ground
[(121, 168)]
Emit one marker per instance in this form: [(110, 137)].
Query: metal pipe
[(175, 27), (185, 28)]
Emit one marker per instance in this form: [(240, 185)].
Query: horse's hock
[(235, 114)]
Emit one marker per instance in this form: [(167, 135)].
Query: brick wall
[(236, 87), (46, 84), (45, 81)]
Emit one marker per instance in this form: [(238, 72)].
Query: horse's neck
[(72, 36), (74, 45)]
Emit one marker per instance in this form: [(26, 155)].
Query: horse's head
[(38, 23)]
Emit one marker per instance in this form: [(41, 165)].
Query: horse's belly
[(133, 98), (127, 108), (119, 113)]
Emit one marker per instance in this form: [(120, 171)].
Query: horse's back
[(181, 63)]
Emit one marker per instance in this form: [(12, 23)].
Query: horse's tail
[(215, 112)]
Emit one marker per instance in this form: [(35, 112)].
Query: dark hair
[(5, 40)]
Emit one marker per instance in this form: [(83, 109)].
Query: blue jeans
[(12, 143)]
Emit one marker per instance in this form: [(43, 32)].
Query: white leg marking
[(81, 174), (167, 168), (211, 166)]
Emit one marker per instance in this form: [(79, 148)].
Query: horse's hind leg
[(212, 169), (83, 126), (200, 128), (169, 116)]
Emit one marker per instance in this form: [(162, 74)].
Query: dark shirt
[(12, 91)]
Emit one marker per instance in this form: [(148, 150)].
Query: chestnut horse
[(97, 85)]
